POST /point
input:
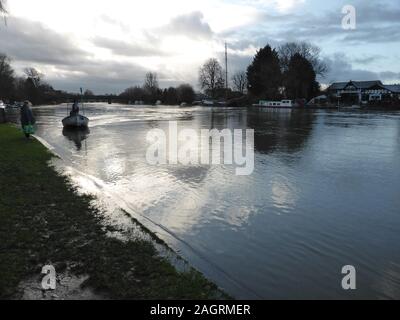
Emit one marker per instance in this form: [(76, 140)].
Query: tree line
[(289, 71), (31, 86), (150, 92)]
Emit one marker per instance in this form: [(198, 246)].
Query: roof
[(366, 84), (337, 86), (358, 84), (393, 87)]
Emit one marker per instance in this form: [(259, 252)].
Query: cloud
[(191, 25), (127, 49), (29, 41), (65, 65), (340, 69), (285, 5), (280, 5), (390, 75), (375, 24), (99, 76), (368, 59)]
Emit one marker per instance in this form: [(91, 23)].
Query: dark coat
[(27, 116)]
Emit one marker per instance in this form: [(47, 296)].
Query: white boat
[(208, 102), (76, 120), (276, 104), (2, 105)]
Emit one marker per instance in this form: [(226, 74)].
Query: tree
[(151, 81), (239, 81), (300, 78), (307, 51), (88, 93), (2, 7), (170, 96), (34, 75), (264, 74), (185, 93), (151, 87), (133, 94), (6, 78), (211, 77)]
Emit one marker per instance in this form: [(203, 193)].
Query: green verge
[(43, 219)]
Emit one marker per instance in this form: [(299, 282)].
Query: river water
[(325, 193)]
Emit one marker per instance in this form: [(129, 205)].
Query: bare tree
[(6, 77), (306, 50), (151, 88), (34, 75), (3, 10), (2, 6), (151, 82), (211, 77), (239, 80)]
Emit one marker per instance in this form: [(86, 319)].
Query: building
[(362, 91)]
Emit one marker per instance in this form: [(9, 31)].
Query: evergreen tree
[(300, 79), (264, 74)]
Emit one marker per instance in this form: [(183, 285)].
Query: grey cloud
[(236, 62), (340, 69), (106, 77), (375, 24), (110, 20), (371, 34), (191, 25), (389, 75), (367, 59), (32, 42), (101, 77), (127, 49)]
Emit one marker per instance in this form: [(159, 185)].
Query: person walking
[(27, 119)]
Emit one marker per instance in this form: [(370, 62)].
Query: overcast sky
[(107, 46)]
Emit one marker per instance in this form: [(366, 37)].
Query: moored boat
[(276, 104)]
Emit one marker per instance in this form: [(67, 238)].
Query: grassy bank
[(43, 220)]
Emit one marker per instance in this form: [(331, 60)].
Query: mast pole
[(226, 71), (83, 108)]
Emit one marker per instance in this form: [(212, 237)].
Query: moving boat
[(76, 120)]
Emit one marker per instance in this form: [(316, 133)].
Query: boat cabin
[(277, 104)]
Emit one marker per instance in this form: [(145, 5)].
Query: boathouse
[(362, 91)]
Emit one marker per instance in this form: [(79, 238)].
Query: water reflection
[(76, 135), (281, 130)]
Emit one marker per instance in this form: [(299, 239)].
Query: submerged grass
[(44, 220)]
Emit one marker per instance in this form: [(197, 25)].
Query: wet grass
[(44, 220)]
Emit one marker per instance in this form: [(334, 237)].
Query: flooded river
[(325, 193)]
